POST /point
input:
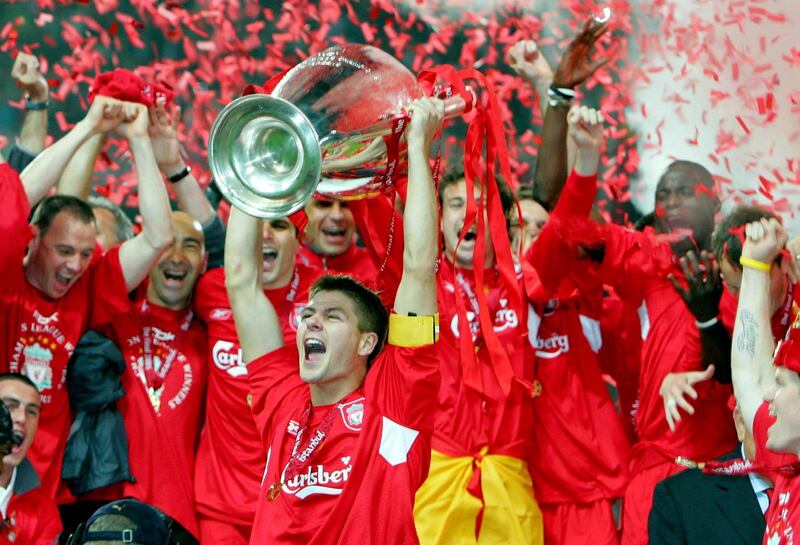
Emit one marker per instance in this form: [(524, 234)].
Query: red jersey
[(32, 517), (231, 456), (466, 419), (355, 262), (359, 486), (38, 334), (783, 514), (164, 351), (580, 449), (637, 265)]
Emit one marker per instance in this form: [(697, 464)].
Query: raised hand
[(576, 66), (164, 135), (104, 114), (674, 389), (135, 123), (427, 115), (527, 61), (704, 285), (765, 240), (586, 128), (26, 72)]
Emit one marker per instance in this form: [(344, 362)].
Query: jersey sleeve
[(274, 378), (404, 384), (631, 260), (381, 229), (552, 253), (108, 292), (209, 293), (14, 227)]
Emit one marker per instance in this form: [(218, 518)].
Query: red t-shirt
[(783, 514), (359, 486), (161, 445), (231, 456), (355, 262), (468, 420), (38, 334), (782, 319), (637, 265)]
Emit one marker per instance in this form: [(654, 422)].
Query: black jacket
[(691, 508), (97, 449)]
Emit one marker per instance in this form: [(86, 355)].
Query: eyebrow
[(20, 402)]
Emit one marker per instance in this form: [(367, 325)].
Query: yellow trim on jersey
[(413, 331)]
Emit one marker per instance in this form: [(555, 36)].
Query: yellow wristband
[(413, 331), (755, 264)]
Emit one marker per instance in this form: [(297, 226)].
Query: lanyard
[(300, 458), (154, 378)]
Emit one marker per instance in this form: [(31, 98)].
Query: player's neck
[(6, 474), (152, 297), (332, 392)]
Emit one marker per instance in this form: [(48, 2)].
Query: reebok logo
[(228, 357), (551, 347), (220, 314), (317, 480)]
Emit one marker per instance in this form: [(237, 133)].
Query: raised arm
[(41, 175), (138, 255), (257, 324), (167, 147), (77, 177), (574, 68), (191, 198), (416, 294), (752, 370), (528, 62), (26, 72)]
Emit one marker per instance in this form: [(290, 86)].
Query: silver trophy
[(323, 129)]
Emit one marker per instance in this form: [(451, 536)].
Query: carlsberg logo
[(552, 346), (316, 480)]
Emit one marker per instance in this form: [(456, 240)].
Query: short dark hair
[(372, 314), (122, 223), (50, 207), (701, 173), (726, 237), (19, 377), (455, 176)]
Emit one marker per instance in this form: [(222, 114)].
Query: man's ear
[(367, 343)]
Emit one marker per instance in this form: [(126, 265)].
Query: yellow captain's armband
[(413, 331)]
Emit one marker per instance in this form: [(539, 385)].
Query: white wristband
[(705, 325)]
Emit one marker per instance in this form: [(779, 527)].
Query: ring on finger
[(671, 402)]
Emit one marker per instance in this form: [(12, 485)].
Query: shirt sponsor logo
[(551, 347), (228, 357), (318, 480), (505, 318), (221, 314)]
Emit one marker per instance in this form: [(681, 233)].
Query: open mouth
[(334, 234), (175, 277), (314, 350), (63, 280), (470, 236), (270, 255)]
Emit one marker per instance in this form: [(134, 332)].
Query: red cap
[(125, 85)]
